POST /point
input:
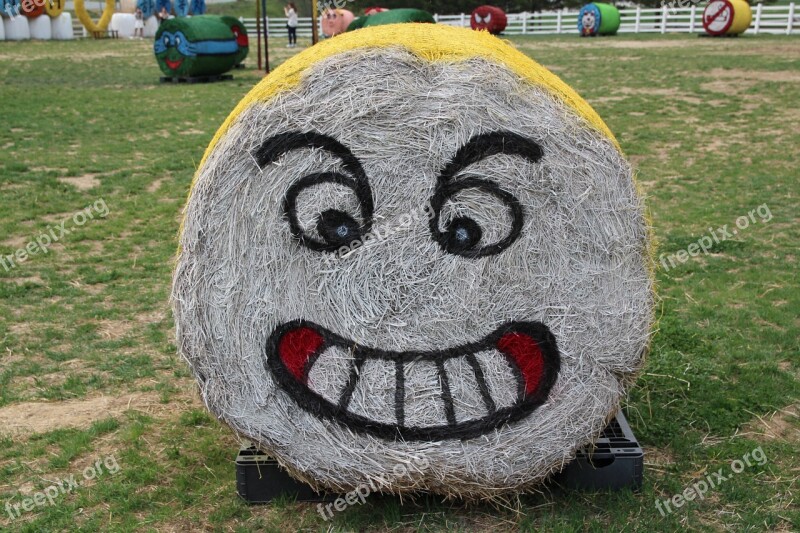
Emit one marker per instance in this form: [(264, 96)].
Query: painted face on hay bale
[(451, 270)]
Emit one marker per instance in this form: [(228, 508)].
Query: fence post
[(791, 19), (758, 19), (638, 19), (558, 22), (664, 15), (463, 21), (692, 15)]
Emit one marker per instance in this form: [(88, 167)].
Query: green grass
[(711, 126)]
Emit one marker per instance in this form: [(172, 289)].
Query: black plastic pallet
[(195, 79), (614, 462)]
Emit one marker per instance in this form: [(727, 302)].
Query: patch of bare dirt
[(40, 417), (16, 242), (82, 183), (153, 187), (783, 424), (113, 329)]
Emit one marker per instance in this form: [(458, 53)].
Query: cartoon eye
[(325, 211), (177, 40), (474, 217), (487, 18), (166, 40)]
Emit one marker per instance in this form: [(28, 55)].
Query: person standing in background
[(162, 15), (138, 24), (290, 10)]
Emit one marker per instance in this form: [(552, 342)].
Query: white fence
[(783, 19), (766, 19)]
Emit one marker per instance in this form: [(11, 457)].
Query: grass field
[(88, 365)]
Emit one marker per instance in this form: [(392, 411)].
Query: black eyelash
[(489, 144)]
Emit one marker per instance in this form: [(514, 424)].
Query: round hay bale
[(181, 8), (240, 33), (727, 17), (373, 10), (127, 6), (598, 19), (336, 21), (54, 8), (165, 4), (41, 28), (195, 46), (31, 9), (444, 285), (391, 16), (198, 7), (123, 23), (62, 27), (9, 8), (488, 18), (148, 8), (16, 28), (150, 26)]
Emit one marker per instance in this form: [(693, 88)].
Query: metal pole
[(266, 35), (258, 32), (314, 22)]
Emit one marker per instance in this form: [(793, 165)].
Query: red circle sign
[(718, 17)]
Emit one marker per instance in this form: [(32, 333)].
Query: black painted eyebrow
[(276, 146), (488, 144)]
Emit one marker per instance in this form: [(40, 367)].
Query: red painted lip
[(173, 64)]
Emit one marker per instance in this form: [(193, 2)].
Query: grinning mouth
[(456, 393), (173, 64)]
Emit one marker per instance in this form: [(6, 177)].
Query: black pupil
[(337, 227), (462, 234)]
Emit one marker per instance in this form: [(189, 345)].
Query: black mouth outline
[(320, 407)]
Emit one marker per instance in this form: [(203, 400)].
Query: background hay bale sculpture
[(40, 27), (598, 19), (54, 8), (240, 34), (448, 277), (124, 24), (391, 16), (727, 17), (16, 27), (204, 45), (198, 7), (101, 25), (336, 21), (488, 18), (181, 8), (62, 27), (148, 8), (31, 9)]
